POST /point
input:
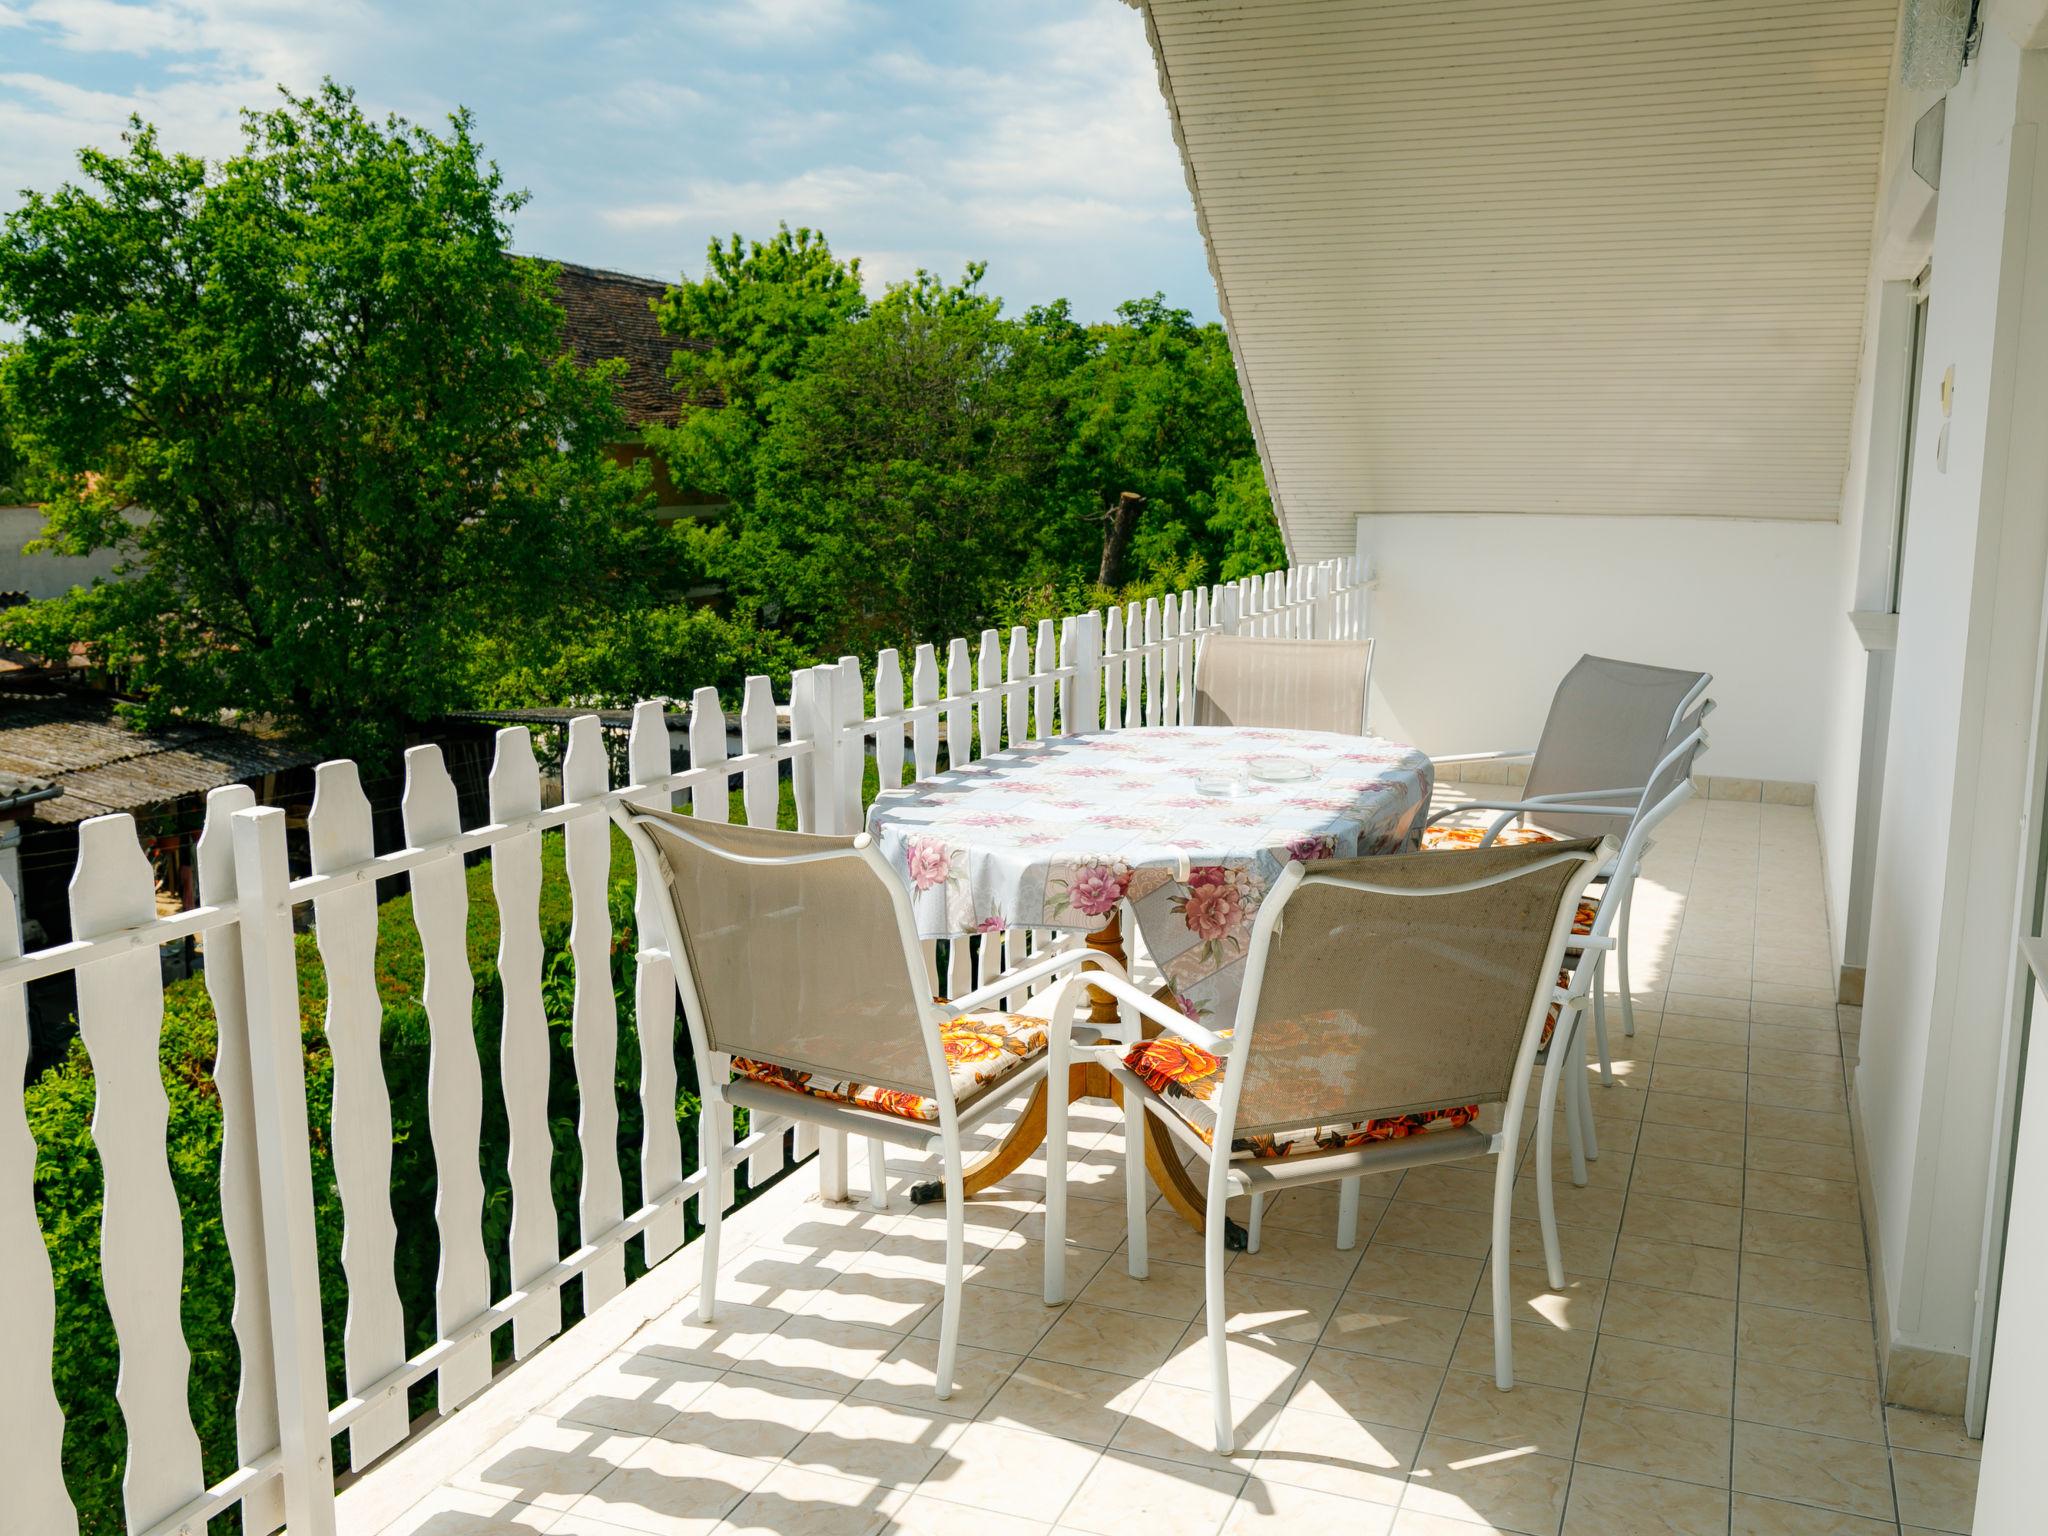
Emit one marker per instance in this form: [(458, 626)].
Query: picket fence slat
[(142, 1251), (988, 674), (31, 1424), (654, 1009), (241, 1199), (888, 728), (959, 708), (924, 730), (455, 1091), (844, 722), (594, 1024), (345, 928), (1017, 696), (757, 739), (535, 1241), (1043, 661)]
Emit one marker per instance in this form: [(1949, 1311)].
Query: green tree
[(344, 416)]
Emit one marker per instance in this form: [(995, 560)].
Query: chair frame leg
[(1347, 1212), (1600, 1017), (1214, 1256), (710, 1156), (1546, 1130), (832, 1155), (1055, 1199), (1589, 1135), (878, 1174), (1628, 1006), (1254, 1221), (1503, 1316), (956, 1270), (1137, 1255)]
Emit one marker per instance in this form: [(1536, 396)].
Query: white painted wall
[(1950, 843), (43, 575), (1477, 617)]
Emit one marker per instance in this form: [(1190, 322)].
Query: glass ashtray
[(1281, 770), (1219, 786)]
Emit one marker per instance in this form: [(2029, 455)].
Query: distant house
[(611, 315)]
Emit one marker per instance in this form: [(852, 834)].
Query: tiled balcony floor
[(1709, 1368)]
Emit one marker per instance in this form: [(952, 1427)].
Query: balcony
[(1715, 1322)]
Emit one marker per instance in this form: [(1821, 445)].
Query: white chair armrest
[(1482, 757), (1150, 1007), (1010, 981)]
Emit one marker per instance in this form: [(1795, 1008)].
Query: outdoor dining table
[(1186, 826)]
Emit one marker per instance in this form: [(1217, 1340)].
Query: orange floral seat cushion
[(1188, 1078), (981, 1050), (1441, 838)]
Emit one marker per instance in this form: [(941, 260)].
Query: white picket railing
[(1129, 667)]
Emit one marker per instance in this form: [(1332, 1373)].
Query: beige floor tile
[(1657, 1442), (677, 1335), (1687, 1145), (1401, 1330), (1546, 1356), (459, 1512), (1797, 1039), (1724, 1115), (791, 1501), (1175, 1423), (1022, 1269), (1804, 1468), (752, 1415), (1662, 1376), (545, 1463), (1717, 1056), (1608, 1502), (1805, 1157), (1518, 1491), (1685, 1026), (1701, 1006), (1824, 1127), (1436, 1229), (1369, 1387), (1010, 1471), (1597, 1206), (906, 1376), (667, 1489), (1716, 1183), (1128, 1343), (1798, 1093), (921, 1515), (1802, 1285), (1942, 1433), (1260, 1367), (1002, 1320), (1800, 1195), (1576, 1307), (1657, 1219), (635, 1393), (1753, 1516), (883, 1443), (1771, 1061), (1938, 1492), (1414, 1274), (1802, 1237), (1806, 1340), (1168, 1290), (1307, 1258), (1670, 1317), (1669, 1266), (1698, 1082), (1463, 1186), (1266, 1508), (1847, 1406), (817, 1352), (1282, 1310), (1123, 1493), (1069, 1401), (1529, 1417), (1584, 1250), (1332, 1454)]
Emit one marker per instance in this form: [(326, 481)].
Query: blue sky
[(1029, 133)]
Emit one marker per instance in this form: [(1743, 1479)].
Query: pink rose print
[(990, 925), (1097, 885), (1212, 912), (989, 819), (928, 861), (1310, 846)]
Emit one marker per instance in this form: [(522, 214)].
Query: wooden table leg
[(1086, 1080)]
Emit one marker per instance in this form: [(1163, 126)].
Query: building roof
[(77, 747), (610, 314)]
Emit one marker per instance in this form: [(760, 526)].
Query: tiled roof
[(609, 315)]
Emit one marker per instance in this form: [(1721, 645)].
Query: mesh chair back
[(1609, 723), (796, 961), (1377, 1005), (1299, 685)]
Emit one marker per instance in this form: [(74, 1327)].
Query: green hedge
[(68, 1187)]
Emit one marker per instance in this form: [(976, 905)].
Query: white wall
[(1950, 839), (1477, 617), (43, 575)]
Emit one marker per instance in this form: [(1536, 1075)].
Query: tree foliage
[(345, 414), (920, 464)]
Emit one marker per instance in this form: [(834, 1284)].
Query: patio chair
[(1385, 1001), (804, 988), (1299, 685), (1611, 723)]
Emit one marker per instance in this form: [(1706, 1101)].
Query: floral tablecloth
[(1055, 834)]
